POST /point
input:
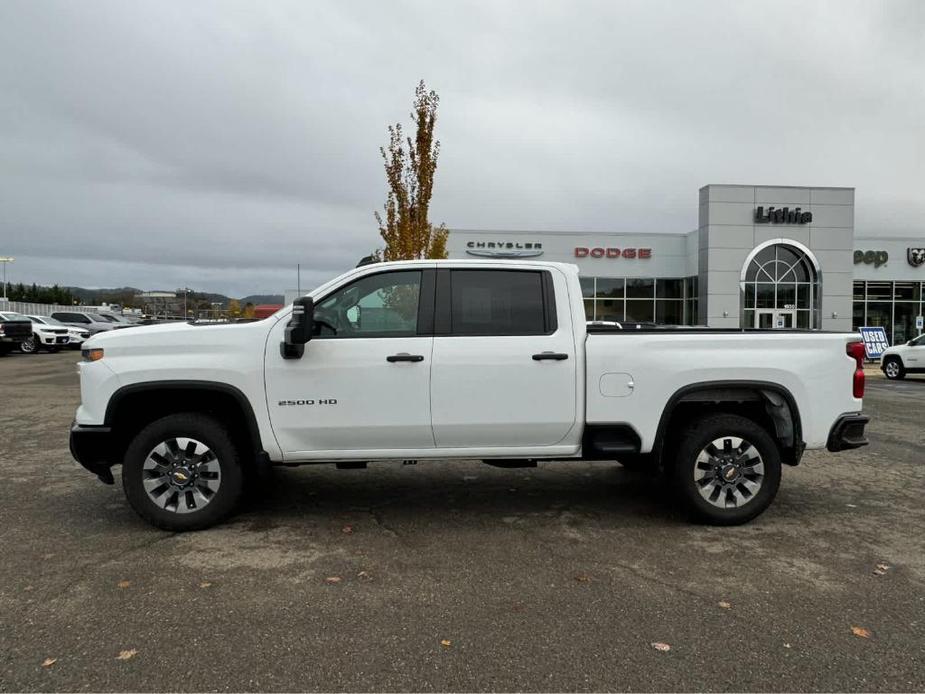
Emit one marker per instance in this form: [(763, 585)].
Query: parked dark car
[(13, 333)]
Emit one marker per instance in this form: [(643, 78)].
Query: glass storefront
[(667, 301), (781, 289), (891, 305)]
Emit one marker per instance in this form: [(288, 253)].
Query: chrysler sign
[(504, 249), (782, 215)]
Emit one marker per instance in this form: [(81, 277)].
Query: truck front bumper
[(93, 447), (848, 432)]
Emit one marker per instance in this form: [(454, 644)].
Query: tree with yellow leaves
[(406, 229)]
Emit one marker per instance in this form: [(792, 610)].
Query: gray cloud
[(217, 144)]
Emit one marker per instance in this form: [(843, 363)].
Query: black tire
[(227, 458), (896, 374), (53, 349), (697, 436), (30, 346)]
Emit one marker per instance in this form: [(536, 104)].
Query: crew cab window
[(381, 305), (497, 302)]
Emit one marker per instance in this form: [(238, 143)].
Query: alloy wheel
[(729, 472), (181, 475), (891, 369), (28, 346)]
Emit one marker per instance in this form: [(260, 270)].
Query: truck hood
[(158, 338)]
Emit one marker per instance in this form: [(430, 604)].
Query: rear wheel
[(893, 368), (726, 470), (183, 472)]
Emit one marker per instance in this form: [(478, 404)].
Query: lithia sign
[(782, 215)]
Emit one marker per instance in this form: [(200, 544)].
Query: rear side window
[(498, 302)]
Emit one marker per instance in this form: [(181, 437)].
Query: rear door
[(504, 363)]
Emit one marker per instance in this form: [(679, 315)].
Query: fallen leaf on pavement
[(333, 579), (879, 572), (861, 632), (205, 584), (365, 575), (446, 643), (124, 584), (127, 655), (48, 662), (883, 567), (582, 578), (659, 646), (725, 605), (347, 530)]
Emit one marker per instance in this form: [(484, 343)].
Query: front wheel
[(727, 469), (183, 472), (893, 369), (29, 346)]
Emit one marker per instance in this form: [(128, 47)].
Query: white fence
[(30, 309)]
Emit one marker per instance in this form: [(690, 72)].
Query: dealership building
[(761, 256)]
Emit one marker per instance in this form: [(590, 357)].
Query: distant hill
[(263, 299), (125, 296)]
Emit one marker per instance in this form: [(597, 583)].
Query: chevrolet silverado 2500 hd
[(457, 359)]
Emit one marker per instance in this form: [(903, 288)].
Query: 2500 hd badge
[(327, 401)]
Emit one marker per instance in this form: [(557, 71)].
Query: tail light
[(856, 351)]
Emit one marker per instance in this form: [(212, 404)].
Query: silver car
[(91, 322)]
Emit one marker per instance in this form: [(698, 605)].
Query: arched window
[(781, 287)]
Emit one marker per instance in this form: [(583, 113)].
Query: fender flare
[(767, 390), (250, 418)]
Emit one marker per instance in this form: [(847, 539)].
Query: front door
[(504, 365), (774, 319), (363, 382)]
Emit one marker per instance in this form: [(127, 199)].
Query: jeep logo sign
[(875, 258), (782, 215), (612, 253)]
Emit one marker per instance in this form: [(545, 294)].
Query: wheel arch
[(771, 404), (133, 406)]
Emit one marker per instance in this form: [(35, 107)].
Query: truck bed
[(631, 374)]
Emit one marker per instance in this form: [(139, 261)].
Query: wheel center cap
[(181, 476), (729, 472)]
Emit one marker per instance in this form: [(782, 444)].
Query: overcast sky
[(217, 144)]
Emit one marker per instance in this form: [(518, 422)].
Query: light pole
[(5, 260)]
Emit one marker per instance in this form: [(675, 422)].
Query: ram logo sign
[(916, 256)]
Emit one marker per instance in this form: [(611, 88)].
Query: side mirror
[(299, 329)]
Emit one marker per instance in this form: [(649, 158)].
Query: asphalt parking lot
[(461, 576)]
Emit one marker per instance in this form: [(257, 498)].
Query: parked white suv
[(900, 360), (458, 359), (75, 336)]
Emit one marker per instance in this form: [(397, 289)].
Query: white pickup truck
[(457, 359)]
